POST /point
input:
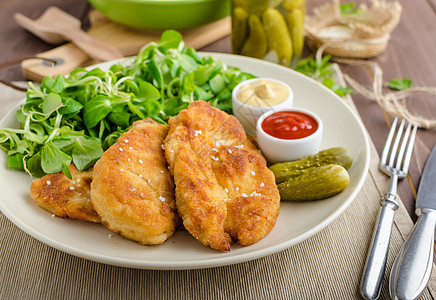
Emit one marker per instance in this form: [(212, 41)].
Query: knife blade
[(427, 186), (412, 267)]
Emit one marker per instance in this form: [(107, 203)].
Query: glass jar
[(269, 29)]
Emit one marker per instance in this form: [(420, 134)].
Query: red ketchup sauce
[(289, 125)]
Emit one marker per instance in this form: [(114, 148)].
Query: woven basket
[(361, 35)]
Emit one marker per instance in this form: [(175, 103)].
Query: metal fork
[(395, 160)]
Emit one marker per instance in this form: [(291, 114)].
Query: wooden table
[(411, 53)]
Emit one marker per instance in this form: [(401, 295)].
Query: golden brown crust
[(224, 189), (64, 197), (132, 189)]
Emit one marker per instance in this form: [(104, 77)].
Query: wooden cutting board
[(129, 41)]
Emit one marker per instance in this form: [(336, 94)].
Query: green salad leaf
[(75, 118), (400, 83), (86, 152), (322, 71), (52, 158), (350, 8)]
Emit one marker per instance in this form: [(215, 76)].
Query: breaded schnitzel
[(64, 197), (132, 189), (224, 189)]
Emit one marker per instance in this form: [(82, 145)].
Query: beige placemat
[(326, 266)]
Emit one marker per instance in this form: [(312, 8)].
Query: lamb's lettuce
[(75, 118)]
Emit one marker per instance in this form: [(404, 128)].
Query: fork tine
[(385, 152), (403, 146), (409, 149), (396, 143)]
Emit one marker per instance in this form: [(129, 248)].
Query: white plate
[(296, 222)]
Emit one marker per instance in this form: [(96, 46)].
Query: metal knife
[(412, 267)]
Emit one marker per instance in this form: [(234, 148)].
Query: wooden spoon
[(56, 26)]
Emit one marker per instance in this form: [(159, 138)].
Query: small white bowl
[(248, 114), (278, 150)]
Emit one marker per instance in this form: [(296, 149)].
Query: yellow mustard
[(263, 93)]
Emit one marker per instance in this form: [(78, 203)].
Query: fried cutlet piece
[(64, 197), (224, 189), (132, 189)]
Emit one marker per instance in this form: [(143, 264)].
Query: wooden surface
[(123, 41), (411, 53)]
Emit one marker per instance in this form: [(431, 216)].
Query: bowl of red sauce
[(288, 134)]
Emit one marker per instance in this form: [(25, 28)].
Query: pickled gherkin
[(337, 155), (278, 36), (282, 22), (293, 4), (295, 20), (256, 44), (239, 28), (256, 7), (315, 184)]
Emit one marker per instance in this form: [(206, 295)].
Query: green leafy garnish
[(52, 158), (316, 69), (75, 118), (338, 89), (66, 171), (321, 71), (86, 152), (400, 83), (349, 8)]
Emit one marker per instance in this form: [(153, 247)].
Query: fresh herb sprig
[(322, 72), (74, 119), (400, 83), (349, 8)]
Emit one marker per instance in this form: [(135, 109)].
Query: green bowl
[(163, 14)]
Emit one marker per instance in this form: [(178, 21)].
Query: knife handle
[(412, 267), (374, 270)]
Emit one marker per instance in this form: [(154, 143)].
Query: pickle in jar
[(295, 20), (283, 28), (239, 28), (278, 36), (293, 4), (256, 7), (256, 44)]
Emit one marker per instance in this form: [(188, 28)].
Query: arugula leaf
[(400, 83)]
